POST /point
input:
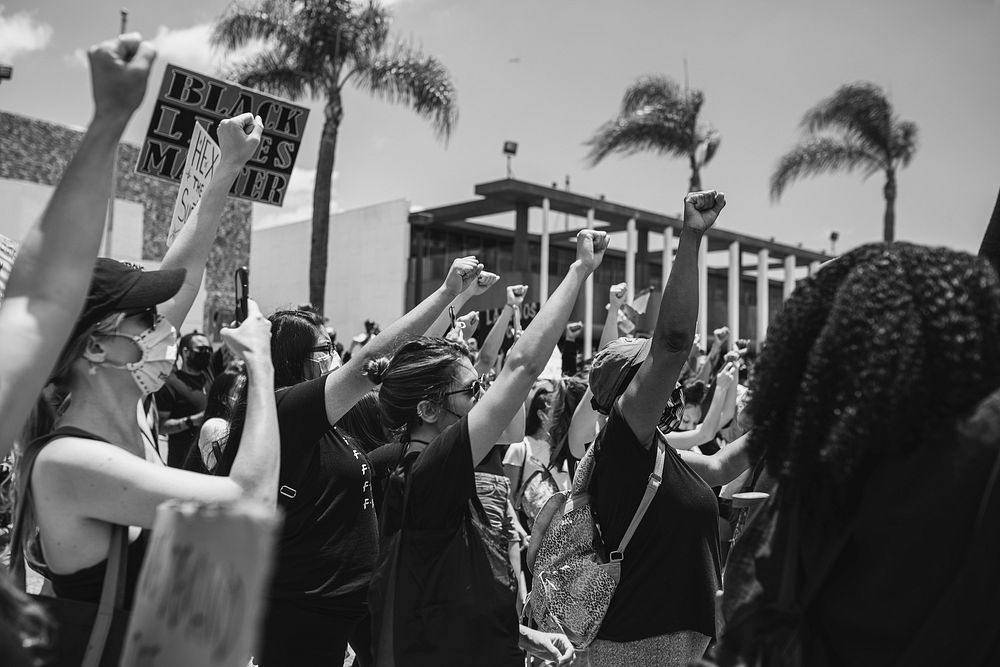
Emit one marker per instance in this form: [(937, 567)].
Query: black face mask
[(199, 360)]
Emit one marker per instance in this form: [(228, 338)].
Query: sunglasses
[(475, 389), (326, 348)]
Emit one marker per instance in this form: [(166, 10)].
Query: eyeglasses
[(474, 390), (674, 412), (326, 348)]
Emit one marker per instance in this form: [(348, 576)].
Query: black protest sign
[(187, 98)]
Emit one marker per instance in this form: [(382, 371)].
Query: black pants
[(296, 635)]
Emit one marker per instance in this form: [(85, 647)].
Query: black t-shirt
[(671, 568), (384, 460), (455, 595), (329, 540), (183, 395)]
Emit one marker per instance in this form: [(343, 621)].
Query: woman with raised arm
[(662, 612), (329, 541), (450, 594)]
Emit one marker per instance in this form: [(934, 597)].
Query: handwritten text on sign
[(186, 97), (202, 157)]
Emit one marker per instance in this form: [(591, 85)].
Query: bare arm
[(723, 466), (709, 426), (528, 358), (51, 274), (644, 399), (238, 140), (349, 384), (442, 322), (583, 426), (104, 482), (616, 297), (490, 350)]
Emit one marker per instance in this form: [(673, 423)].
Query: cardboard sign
[(201, 593), (186, 97), (202, 156)]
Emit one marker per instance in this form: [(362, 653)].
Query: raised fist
[(590, 247), (701, 209), (573, 330), (470, 321), (515, 294), (119, 69), (463, 272), (485, 281), (616, 295), (239, 138)]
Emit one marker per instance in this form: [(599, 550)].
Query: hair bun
[(376, 369)]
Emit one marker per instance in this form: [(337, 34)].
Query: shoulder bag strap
[(652, 486), (112, 596)]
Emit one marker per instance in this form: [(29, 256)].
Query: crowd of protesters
[(842, 480)]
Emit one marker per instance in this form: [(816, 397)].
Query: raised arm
[(720, 340), (349, 384), (644, 399), (616, 297), (442, 323), (239, 138), (710, 425), (50, 277), (527, 359), (490, 349), (990, 248), (107, 483)]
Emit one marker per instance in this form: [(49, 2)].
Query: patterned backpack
[(574, 574)]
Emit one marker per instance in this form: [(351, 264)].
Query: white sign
[(202, 157), (201, 593)]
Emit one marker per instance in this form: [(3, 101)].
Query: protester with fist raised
[(446, 551), (663, 608)]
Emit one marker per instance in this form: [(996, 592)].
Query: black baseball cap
[(613, 369), (117, 286)]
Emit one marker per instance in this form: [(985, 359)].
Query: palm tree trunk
[(695, 183), (889, 224), (321, 201)]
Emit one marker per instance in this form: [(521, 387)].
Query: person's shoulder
[(515, 452)]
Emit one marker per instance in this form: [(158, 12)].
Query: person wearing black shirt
[(181, 402), (329, 541), (444, 592)]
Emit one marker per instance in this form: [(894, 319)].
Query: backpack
[(533, 491), (574, 574)]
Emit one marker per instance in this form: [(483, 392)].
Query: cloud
[(20, 33), (298, 201), (192, 48)]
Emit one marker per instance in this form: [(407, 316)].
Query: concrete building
[(385, 258), (33, 155)]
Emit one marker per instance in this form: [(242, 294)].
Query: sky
[(547, 73)]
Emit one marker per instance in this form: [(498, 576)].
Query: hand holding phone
[(242, 285)]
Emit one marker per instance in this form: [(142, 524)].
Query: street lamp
[(510, 150), (834, 237)]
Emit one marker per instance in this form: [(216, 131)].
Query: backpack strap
[(652, 486)]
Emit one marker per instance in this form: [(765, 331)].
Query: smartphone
[(242, 280)]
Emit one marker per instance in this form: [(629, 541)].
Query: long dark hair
[(219, 405), (562, 405), (293, 335), (881, 352)]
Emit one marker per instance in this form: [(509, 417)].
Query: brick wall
[(37, 151)]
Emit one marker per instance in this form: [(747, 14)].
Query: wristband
[(187, 420)]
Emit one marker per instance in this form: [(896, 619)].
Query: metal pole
[(735, 278), (763, 294)]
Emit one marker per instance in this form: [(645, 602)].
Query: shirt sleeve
[(384, 459), (442, 481), (515, 454), (302, 415), (166, 397)]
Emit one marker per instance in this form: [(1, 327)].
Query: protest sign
[(8, 251), (200, 596), (202, 156), (188, 98)]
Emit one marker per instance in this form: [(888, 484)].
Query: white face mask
[(159, 354)]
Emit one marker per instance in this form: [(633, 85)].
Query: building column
[(703, 292), (521, 239), (588, 304), (668, 256), (789, 275), (642, 258), (630, 250), (813, 268), (734, 291), (543, 264), (763, 259)]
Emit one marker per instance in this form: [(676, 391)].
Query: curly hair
[(880, 353)]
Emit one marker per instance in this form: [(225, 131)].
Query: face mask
[(159, 354), (199, 360)]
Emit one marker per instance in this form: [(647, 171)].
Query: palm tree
[(863, 133), (658, 115), (317, 47)]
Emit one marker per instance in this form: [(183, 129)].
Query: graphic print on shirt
[(368, 501)]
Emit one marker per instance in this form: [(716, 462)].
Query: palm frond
[(652, 90), (904, 144), (710, 140), (820, 155), (272, 72), (858, 109), (420, 81), (370, 30), (266, 20), (636, 133)]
